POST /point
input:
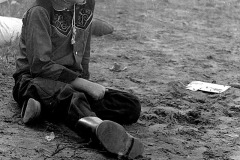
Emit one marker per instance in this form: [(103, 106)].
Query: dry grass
[(14, 8), (11, 9)]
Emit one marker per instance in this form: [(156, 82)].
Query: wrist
[(82, 84)]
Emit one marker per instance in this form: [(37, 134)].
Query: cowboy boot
[(112, 136), (30, 111)]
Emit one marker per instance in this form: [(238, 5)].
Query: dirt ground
[(163, 46)]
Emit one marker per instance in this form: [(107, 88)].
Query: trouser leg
[(59, 101), (118, 106)]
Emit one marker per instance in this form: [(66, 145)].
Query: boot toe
[(31, 111)]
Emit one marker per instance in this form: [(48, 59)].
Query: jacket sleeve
[(39, 48), (86, 57)]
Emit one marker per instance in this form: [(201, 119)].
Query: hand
[(96, 91)]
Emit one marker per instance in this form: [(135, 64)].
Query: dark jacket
[(48, 46)]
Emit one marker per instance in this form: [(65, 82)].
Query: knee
[(133, 113)]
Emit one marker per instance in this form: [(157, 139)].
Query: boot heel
[(136, 149)]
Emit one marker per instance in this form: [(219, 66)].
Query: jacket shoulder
[(40, 6), (36, 11)]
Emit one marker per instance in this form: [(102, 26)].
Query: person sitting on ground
[(52, 78)]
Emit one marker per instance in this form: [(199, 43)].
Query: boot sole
[(31, 111), (116, 140)]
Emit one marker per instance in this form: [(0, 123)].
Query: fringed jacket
[(56, 44)]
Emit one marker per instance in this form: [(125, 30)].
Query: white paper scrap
[(50, 137), (208, 87)]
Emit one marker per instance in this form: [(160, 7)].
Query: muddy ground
[(164, 45)]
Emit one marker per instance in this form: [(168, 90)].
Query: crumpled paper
[(117, 67)]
